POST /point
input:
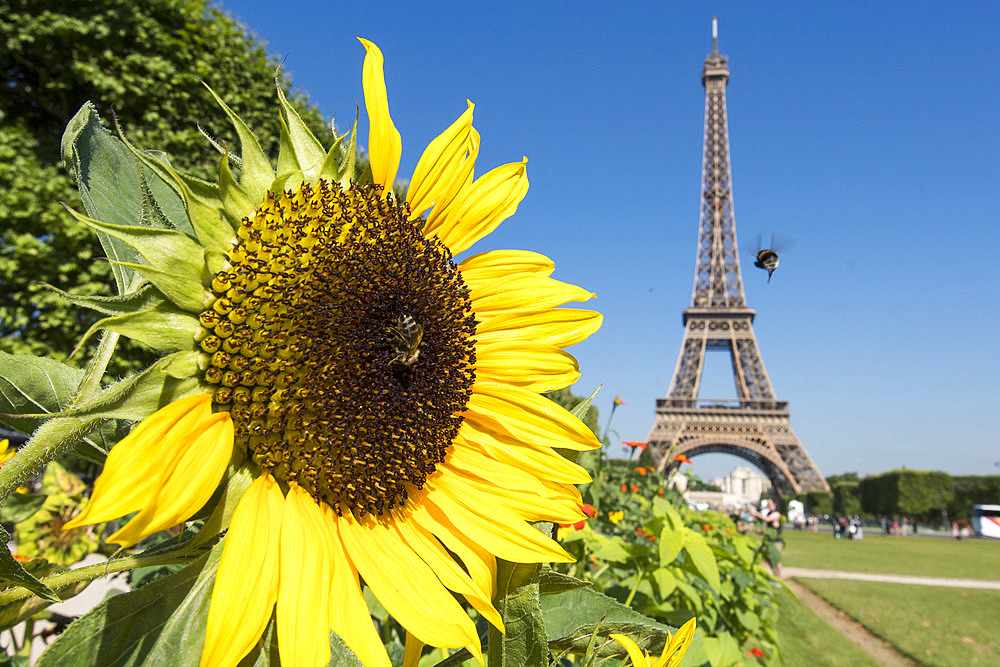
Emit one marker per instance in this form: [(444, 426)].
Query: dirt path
[(890, 578), (880, 650)]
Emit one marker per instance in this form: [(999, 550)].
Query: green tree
[(140, 60)]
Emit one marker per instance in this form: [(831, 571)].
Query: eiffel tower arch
[(755, 426)]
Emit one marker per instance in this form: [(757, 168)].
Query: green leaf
[(14, 572), (341, 654), (20, 506), (140, 395), (551, 582), (110, 179), (14, 613), (702, 558), (524, 643), (666, 581), (572, 617), (583, 407), (161, 623), (671, 542), (34, 385), (610, 549)]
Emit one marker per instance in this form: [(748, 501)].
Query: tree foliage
[(143, 61)]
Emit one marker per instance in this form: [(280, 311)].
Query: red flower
[(588, 509), (624, 487), (706, 527), (755, 652), (635, 489), (639, 531), (634, 443), (680, 458), (575, 526)]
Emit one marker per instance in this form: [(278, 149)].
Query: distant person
[(772, 534), (955, 530)]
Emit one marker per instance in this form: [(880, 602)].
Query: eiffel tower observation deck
[(755, 426)]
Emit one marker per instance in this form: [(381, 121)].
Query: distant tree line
[(931, 497)]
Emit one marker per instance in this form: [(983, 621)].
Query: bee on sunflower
[(385, 398)]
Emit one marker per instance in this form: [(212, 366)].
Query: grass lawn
[(928, 556), (806, 639), (930, 624)]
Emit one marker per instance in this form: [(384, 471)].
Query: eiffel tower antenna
[(755, 426)]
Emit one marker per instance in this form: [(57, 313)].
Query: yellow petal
[(427, 547), (246, 585), (306, 566), (349, 616), (495, 528), (471, 463), (561, 327), (479, 563), (678, 645), (541, 462), (638, 658), (522, 293), (488, 201), (527, 416), (186, 481), (501, 264), (535, 367), (384, 144), (132, 471), (390, 569), (445, 168)]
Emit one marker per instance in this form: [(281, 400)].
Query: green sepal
[(201, 199), (140, 395), (256, 174), (145, 297), (161, 327), (299, 150), (234, 198), (14, 572), (177, 262), (338, 166), (216, 260)]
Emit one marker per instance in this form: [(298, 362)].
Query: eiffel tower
[(754, 426)]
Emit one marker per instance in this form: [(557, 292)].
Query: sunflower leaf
[(525, 643), (20, 506), (161, 623), (551, 582), (34, 385), (110, 178), (137, 396), (572, 617), (14, 572)]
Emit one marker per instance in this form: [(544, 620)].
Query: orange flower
[(634, 443), (635, 489), (755, 652), (659, 492), (706, 527), (624, 487), (641, 471), (588, 509), (680, 458), (619, 401)]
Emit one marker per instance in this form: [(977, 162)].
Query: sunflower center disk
[(341, 344)]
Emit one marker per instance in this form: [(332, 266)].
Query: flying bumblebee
[(767, 258), (407, 335)]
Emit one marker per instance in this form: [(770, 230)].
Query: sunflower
[(386, 398), (674, 650)]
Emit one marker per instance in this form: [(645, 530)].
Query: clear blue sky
[(865, 132)]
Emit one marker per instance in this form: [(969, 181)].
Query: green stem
[(65, 579), (91, 383), (635, 589)]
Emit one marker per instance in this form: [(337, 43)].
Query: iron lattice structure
[(755, 426)]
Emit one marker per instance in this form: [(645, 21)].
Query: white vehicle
[(986, 520)]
